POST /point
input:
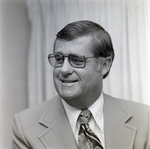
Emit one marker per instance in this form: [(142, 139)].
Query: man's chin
[(67, 97)]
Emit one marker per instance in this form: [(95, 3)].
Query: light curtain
[(128, 23)]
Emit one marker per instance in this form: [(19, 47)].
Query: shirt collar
[(96, 109), (72, 114)]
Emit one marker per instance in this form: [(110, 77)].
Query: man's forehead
[(79, 46)]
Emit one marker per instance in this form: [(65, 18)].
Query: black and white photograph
[(74, 74)]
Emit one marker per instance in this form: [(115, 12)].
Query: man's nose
[(66, 68)]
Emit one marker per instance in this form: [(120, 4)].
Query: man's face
[(77, 86)]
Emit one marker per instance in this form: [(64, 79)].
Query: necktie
[(86, 137)]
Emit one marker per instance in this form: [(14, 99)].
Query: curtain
[(127, 21)]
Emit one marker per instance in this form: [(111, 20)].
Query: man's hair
[(101, 40)]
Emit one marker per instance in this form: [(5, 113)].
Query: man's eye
[(58, 59)]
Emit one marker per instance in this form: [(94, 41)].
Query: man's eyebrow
[(58, 53)]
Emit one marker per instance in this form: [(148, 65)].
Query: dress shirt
[(96, 122)]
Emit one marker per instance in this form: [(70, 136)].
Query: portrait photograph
[(74, 74)]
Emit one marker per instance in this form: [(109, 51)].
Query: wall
[(15, 30)]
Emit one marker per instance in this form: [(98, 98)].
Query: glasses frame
[(63, 56)]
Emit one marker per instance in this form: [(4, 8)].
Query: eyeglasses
[(57, 60)]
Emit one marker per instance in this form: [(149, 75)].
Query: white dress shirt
[(96, 122)]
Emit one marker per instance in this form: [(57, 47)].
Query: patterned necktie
[(86, 137)]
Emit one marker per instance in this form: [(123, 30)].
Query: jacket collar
[(58, 132)]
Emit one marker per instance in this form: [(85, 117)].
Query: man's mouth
[(69, 81)]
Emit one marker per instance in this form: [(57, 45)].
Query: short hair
[(101, 40)]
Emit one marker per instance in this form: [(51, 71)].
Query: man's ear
[(104, 65)]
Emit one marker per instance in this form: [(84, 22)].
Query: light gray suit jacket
[(46, 126)]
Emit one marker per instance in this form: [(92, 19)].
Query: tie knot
[(84, 116)]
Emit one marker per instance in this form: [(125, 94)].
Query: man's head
[(101, 41), (83, 54)]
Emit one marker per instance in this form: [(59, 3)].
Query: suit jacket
[(46, 126)]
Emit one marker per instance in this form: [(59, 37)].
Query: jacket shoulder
[(35, 112), (133, 106)]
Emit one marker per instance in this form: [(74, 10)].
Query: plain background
[(15, 33)]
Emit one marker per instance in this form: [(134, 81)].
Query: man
[(81, 115)]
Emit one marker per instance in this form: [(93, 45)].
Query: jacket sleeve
[(148, 138), (19, 140)]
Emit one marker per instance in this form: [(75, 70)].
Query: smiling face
[(79, 87)]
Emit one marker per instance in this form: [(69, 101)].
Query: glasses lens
[(77, 61), (56, 60)]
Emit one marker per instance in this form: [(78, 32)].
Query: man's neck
[(82, 102)]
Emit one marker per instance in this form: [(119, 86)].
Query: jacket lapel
[(58, 132), (118, 134)]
